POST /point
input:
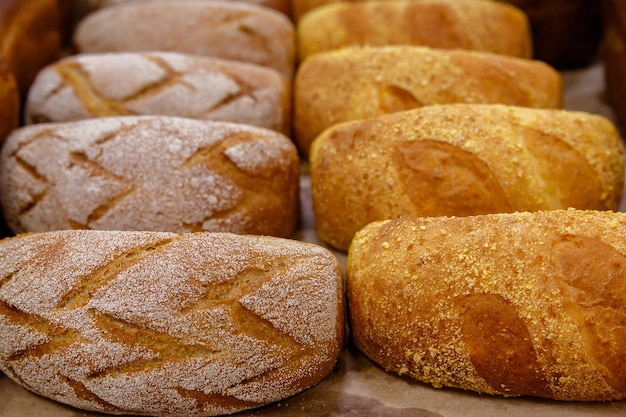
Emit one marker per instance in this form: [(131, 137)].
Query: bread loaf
[(30, 37), (476, 25), (150, 173), (279, 5), (172, 84), (161, 324), (359, 82), (510, 304), (459, 160), (230, 30), (9, 101)]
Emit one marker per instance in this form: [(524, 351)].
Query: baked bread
[(614, 56), (510, 304), (230, 30), (161, 324), (30, 37), (460, 160), (150, 173), (173, 84), (475, 25), (9, 101), (279, 5), (359, 82)]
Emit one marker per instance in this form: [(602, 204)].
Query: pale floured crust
[(196, 324), (171, 84), (229, 30), (476, 25), (280, 5), (459, 160), (358, 82), (511, 304), (150, 173)]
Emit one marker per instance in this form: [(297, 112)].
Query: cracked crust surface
[(510, 304), (154, 323), (150, 173), (159, 83)]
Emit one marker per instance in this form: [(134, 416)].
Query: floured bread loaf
[(358, 82), (229, 30), (150, 173), (476, 25), (173, 84), (460, 160), (511, 304), (280, 5), (161, 324)]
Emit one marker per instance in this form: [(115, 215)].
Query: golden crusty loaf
[(150, 173), (476, 25), (280, 5), (511, 304), (230, 30), (135, 83), (459, 160), (359, 82), (162, 324), (30, 37)]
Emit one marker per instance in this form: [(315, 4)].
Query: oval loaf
[(150, 173), (229, 30), (358, 82), (279, 5), (477, 25), (510, 304), (460, 160), (163, 324), (166, 83)]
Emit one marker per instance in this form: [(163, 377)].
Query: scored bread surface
[(98, 85), (153, 323), (510, 304), (460, 160), (150, 173)]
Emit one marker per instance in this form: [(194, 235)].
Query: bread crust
[(459, 160), (359, 82), (229, 30), (197, 324), (475, 25), (150, 173), (279, 5), (508, 304), (160, 83), (9, 101)]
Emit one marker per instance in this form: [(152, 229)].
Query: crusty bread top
[(133, 83), (165, 324), (477, 25), (280, 5), (230, 30), (515, 304)]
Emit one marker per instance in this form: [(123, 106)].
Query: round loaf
[(279, 5), (230, 30), (162, 324), (166, 83), (460, 160), (509, 304), (359, 82), (150, 173), (476, 25)]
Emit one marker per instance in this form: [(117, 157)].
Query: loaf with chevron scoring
[(229, 30), (460, 160), (150, 173), (153, 323), (506, 304), (173, 84)]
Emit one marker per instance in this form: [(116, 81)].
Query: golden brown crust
[(511, 304), (462, 159), (197, 324), (229, 30), (9, 101), (476, 25), (166, 83), (150, 173), (358, 82), (29, 37)]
